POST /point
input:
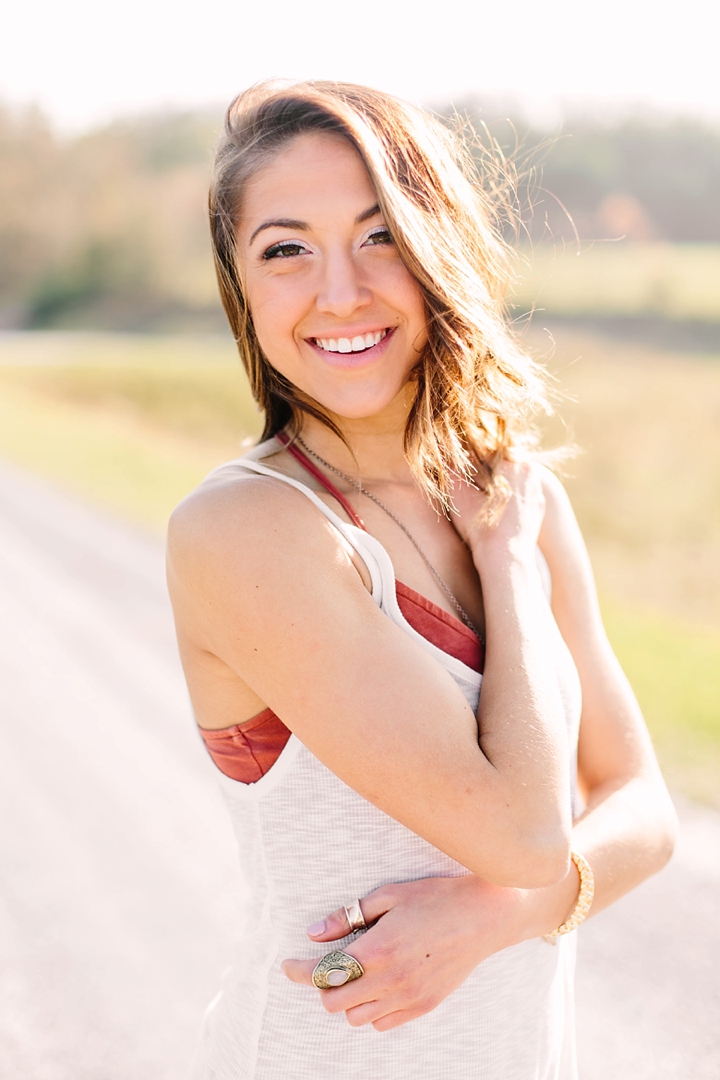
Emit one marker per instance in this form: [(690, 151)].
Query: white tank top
[(308, 844)]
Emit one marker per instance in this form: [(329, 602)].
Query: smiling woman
[(332, 302), (432, 206), (343, 590)]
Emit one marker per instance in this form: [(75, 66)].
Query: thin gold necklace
[(363, 491)]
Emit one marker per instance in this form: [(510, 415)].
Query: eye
[(381, 235), (285, 249)]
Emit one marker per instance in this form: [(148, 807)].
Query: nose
[(342, 292)]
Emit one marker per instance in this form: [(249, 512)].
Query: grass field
[(134, 423), (131, 422), (646, 485), (673, 281)]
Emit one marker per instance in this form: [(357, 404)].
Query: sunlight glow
[(84, 62)]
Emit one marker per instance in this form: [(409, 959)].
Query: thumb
[(336, 925)]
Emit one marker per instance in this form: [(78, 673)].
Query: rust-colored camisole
[(246, 751)]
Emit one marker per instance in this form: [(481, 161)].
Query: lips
[(356, 344)]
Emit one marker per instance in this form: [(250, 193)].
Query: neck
[(374, 449)]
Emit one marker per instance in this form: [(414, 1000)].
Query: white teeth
[(345, 345)]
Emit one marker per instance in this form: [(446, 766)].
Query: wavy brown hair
[(476, 391)]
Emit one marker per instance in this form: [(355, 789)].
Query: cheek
[(409, 298), (274, 317)]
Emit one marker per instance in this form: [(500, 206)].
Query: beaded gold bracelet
[(584, 900)]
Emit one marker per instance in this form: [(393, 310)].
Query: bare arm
[(432, 934), (628, 828), (265, 585)]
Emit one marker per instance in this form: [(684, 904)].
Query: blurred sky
[(84, 61)]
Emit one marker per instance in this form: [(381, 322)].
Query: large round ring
[(355, 917), (336, 968)]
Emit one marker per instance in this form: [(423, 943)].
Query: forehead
[(309, 176)]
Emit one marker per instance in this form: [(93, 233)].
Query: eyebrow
[(292, 223)]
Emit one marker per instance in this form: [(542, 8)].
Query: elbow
[(545, 850), (535, 862), (667, 834), (659, 823), (545, 865)]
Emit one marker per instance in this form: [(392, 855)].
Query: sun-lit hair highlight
[(477, 392)]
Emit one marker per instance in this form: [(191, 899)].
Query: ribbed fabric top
[(308, 843)]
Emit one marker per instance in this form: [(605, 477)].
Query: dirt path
[(116, 861)]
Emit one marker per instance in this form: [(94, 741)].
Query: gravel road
[(116, 861)]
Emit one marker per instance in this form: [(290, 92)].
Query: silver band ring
[(355, 917), (336, 968)]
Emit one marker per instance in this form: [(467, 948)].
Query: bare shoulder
[(575, 600), (560, 536), (253, 514), (246, 552), (559, 513)]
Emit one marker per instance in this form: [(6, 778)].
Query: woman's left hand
[(427, 938)]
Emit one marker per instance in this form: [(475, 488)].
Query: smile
[(345, 345)]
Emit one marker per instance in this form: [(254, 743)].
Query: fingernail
[(316, 929)]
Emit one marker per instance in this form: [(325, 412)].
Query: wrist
[(498, 554), (510, 578), (546, 909), (500, 915)]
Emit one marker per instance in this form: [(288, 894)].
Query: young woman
[(340, 594)]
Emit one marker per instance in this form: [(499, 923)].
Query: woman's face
[(334, 308)]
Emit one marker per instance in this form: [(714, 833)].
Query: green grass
[(646, 487), (113, 462), (134, 423), (61, 348), (209, 401), (674, 281), (674, 668)]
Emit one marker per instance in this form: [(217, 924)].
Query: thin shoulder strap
[(304, 460)]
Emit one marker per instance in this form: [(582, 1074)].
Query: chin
[(356, 405), (359, 398)]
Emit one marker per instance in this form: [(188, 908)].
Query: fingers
[(367, 1013), (335, 925), (350, 998), (366, 1000), (345, 996), (336, 1000), (299, 971), (332, 927), (397, 1019)]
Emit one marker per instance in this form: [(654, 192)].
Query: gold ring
[(355, 917), (336, 968)]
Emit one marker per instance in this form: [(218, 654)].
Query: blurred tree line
[(108, 229), (640, 179)]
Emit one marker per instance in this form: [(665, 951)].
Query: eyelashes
[(290, 249), (283, 250), (378, 236)]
